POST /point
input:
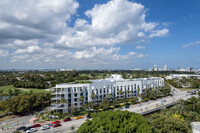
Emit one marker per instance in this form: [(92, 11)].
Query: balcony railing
[(58, 92)]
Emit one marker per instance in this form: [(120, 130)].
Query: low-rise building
[(180, 76), (77, 94)]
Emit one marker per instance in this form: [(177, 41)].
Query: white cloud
[(140, 47), (39, 31), (4, 53), (191, 44), (34, 19), (30, 49), (159, 33), (116, 22)]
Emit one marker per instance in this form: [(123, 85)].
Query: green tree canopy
[(168, 124), (116, 122)]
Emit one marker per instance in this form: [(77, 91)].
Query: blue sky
[(99, 34)]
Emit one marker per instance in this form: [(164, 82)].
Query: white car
[(45, 127), (31, 130)]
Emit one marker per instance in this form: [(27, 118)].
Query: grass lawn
[(188, 89), (6, 89)]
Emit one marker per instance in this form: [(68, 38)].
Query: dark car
[(22, 114), (21, 128), (56, 125), (88, 116), (36, 125), (67, 119), (127, 106), (27, 128)]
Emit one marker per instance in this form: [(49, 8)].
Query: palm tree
[(63, 100), (127, 92), (192, 103), (82, 98), (120, 92), (93, 96), (109, 96), (104, 104)]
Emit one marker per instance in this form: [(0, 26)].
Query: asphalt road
[(15, 122)]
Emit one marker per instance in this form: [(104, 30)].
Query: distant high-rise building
[(165, 68), (155, 68), (190, 69)]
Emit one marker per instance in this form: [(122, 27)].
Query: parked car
[(67, 119), (54, 122), (22, 114), (21, 128), (31, 130), (27, 128), (36, 125), (127, 106), (88, 116), (79, 117), (56, 125), (50, 124), (45, 127)]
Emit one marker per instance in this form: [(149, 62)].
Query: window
[(74, 89)]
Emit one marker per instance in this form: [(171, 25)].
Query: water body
[(4, 97)]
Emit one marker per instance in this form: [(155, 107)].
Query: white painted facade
[(101, 88), (180, 76)]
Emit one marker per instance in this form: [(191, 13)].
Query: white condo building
[(101, 88)]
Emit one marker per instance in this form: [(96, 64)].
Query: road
[(66, 126), (16, 122)]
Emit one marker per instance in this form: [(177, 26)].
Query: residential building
[(180, 76), (155, 68), (115, 85), (165, 68)]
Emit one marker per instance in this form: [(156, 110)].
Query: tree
[(93, 96), (161, 123), (10, 92), (120, 92), (82, 98), (104, 104), (127, 92), (117, 122), (63, 100), (109, 96), (1, 91)]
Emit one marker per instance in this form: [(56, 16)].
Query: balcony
[(58, 93)]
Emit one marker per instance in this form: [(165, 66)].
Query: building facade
[(75, 95), (180, 76)]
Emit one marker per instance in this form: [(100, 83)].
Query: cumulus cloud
[(140, 47), (39, 31), (34, 19), (191, 44), (4, 53), (116, 22)]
